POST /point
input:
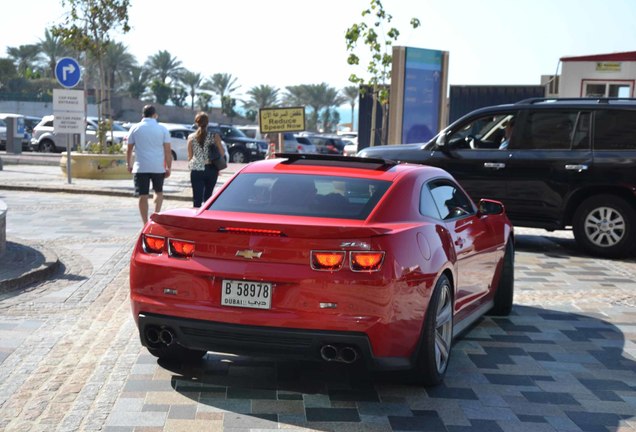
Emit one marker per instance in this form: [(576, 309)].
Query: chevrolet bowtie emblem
[(248, 254)]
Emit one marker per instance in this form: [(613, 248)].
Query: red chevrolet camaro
[(326, 258)]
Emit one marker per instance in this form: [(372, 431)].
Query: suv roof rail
[(335, 160), (575, 99)]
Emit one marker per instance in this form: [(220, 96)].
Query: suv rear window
[(615, 130), (302, 195)]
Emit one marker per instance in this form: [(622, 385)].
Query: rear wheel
[(437, 336), (238, 156), (506, 287), (47, 146), (605, 226)]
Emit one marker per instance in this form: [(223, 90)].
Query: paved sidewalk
[(28, 263), (71, 359)]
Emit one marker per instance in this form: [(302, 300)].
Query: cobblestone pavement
[(70, 357)]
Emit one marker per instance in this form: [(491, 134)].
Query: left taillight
[(327, 260), (180, 248), (153, 244)]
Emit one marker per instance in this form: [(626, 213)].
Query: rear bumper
[(264, 341)]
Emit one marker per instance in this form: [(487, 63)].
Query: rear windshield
[(301, 195)]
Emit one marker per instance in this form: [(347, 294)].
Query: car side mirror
[(490, 207)]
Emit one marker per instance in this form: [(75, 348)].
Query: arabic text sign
[(273, 120)]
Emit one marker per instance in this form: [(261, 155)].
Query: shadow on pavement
[(537, 368)]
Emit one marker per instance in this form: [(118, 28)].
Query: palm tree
[(163, 66), (193, 82), (351, 93), (332, 99), (317, 97), (295, 96), (52, 48), (25, 57), (138, 80), (261, 96), (118, 63), (222, 84)]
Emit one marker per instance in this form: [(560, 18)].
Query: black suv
[(241, 147), (554, 163)]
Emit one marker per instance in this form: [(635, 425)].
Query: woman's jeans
[(203, 184)]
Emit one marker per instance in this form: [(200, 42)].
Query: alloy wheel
[(604, 226), (443, 329)]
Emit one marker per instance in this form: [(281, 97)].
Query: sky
[(291, 42)]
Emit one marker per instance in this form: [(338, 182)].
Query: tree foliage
[(368, 32), (88, 28)]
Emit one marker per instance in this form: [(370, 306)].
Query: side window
[(487, 132), (582, 135), (450, 201), (547, 130), (615, 130), (427, 205)]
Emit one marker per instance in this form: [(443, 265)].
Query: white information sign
[(68, 111)]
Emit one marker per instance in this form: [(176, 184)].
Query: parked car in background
[(179, 141), (568, 163), (251, 131), (241, 148), (294, 143), (325, 259), (328, 144), (44, 139)]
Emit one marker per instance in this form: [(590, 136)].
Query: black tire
[(605, 225), (434, 348), (238, 156), (505, 290), (47, 146), (174, 155), (176, 353)]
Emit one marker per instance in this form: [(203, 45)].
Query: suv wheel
[(237, 156), (46, 146), (605, 226)]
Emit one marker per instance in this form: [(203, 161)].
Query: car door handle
[(576, 167), (494, 165)]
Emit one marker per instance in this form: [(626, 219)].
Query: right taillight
[(361, 261)]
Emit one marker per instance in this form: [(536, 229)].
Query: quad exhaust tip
[(343, 354), (159, 336)]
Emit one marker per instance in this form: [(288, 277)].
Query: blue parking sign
[(68, 72)]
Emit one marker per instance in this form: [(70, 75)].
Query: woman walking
[(203, 147)]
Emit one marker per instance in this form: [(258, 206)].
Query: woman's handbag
[(219, 163), (214, 155)]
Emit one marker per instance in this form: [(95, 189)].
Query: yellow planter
[(96, 166)]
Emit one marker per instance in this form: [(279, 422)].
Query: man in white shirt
[(153, 159)]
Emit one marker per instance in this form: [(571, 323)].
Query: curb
[(106, 192), (36, 261)]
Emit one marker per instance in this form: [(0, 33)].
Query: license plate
[(246, 294)]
